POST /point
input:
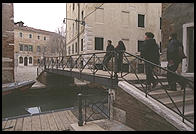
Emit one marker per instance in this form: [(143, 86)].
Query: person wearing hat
[(150, 52)]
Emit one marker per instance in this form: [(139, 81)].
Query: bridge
[(90, 67)]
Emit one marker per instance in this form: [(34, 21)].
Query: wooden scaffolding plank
[(64, 119), (13, 123), (19, 123), (73, 117), (52, 123), (44, 123), (3, 124), (27, 124), (68, 117), (8, 125), (36, 125), (58, 121)]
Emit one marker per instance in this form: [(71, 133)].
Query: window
[(30, 60), (21, 47), (25, 47), (76, 48), (125, 18), (44, 38), (81, 44), (160, 22), (98, 43), (20, 60), (73, 29), (141, 20), (31, 48), (82, 15), (99, 15), (72, 48), (20, 34), (69, 50), (160, 48), (73, 6), (38, 49), (30, 35), (38, 60), (140, 45), (38, 37)]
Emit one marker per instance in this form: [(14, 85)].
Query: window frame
[(20, 60), (139, 47), (30, 59)]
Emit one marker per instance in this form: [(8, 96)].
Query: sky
[(45, 16)]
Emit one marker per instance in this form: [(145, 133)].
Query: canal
[(46, 98)]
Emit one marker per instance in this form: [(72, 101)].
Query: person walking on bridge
[(150, 52), (175, 54), (108, 54), (119, 51)]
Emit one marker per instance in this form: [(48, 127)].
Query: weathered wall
[(7, 43), (55, 81), (138, 115), (115, 21)]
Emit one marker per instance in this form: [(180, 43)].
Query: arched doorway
[(25, 61)]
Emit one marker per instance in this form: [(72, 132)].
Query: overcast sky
[(45, 16)]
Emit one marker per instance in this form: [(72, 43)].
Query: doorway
[(25, 61), (190, 45)]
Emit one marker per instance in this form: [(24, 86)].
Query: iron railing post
[(80, 121), (44, 63), (183, 103)]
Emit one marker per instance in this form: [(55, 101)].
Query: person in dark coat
[(108, 54), (174, 59), (119, 51), (150, 52)]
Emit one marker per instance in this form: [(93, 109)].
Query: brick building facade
[(7, 43)]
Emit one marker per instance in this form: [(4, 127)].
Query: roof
[(26, 28)]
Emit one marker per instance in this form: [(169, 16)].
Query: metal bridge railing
[(128, 71)]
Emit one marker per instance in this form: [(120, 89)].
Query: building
[(32, 44), (110, 21), (179, 18), (7, 43)]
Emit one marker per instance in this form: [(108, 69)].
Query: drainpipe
[(78, 28)]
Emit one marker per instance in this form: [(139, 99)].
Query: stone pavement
[(23, 73)]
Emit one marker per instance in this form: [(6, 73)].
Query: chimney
[(20, 23)]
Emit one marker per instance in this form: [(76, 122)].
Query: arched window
[(30, 60), (21, 60), (38, 60)]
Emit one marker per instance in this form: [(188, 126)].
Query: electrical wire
[(93, 10)]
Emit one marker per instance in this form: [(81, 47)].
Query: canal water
[(47, 99)]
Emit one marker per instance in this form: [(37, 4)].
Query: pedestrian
[(119, 51), (108, 55), (150, 52), (175, 54)]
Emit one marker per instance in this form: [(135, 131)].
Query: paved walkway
[(60, 121)]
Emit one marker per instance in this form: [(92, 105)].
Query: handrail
[(94, 58)]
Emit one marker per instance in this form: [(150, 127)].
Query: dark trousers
[(149, 74), (171, 78), (107, 58)]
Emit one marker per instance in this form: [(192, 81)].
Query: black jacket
[(110, 48), (150, 51), (173, 50), (120, 48)]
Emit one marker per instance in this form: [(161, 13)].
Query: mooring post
[(80, 122)]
